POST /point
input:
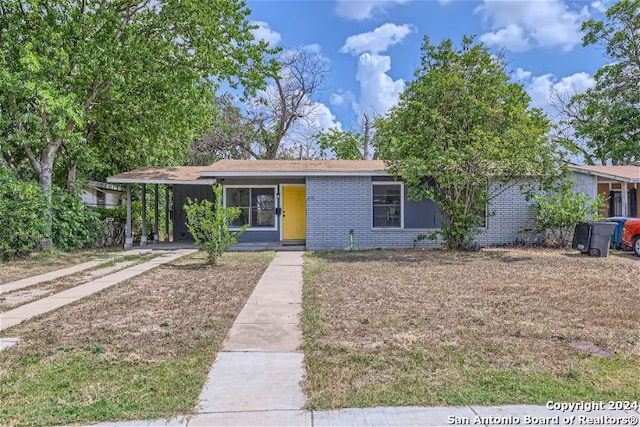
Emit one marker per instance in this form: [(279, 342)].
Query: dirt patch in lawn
[(41, 263), (140, 349), (494, 327)]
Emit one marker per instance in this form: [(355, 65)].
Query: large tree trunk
[(46, 182), (71, 177)]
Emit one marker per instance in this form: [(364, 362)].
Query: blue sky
[(373, 47)]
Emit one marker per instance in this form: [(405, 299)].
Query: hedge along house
[(619, 187), (323, 204)]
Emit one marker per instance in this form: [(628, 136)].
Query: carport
[(167, 176)]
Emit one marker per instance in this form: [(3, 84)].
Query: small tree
[(460, 124), (559, 209), (208, 222)]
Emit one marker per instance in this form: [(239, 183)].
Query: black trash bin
[(593, 237)]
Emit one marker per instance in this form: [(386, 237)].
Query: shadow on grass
[(506, 257)]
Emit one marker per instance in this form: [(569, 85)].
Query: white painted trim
[(625, 199), (300, 174), (401, 184), (224, 204), (161, 181)]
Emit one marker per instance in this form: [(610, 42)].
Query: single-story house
[(101, 195), (619, 186), (323, 204)]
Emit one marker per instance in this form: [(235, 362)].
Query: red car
[(631, 235)]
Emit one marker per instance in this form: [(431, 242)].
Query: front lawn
[(386, 328), (138, 350), (44, 262)]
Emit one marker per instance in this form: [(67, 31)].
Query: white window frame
[(401, 184), (276, 200)]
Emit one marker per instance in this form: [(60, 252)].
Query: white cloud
[(599, 6), (359, 10), (511, 37), (521, 74), (312, 48), (523, 25), (378, 91), (376, 41), (264, 32), (542, 88), (321, 118), (343, 97)]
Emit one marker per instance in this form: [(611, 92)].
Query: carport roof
[(163, 175), (628, 173)]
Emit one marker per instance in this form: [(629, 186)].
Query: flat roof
[(249, 168), (628, 173)]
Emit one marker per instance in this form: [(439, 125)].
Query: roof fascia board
[(604, 175), (290, 174), (161, 181)]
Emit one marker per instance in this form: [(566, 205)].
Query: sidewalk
[(13, 317), (256, 377)]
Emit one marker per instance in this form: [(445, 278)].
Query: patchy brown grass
[(11, 300), (140, 349), (40, 263), (436, 327)]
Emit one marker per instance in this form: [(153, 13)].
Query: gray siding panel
[(336, 205), (259, 236), (180, 194), (422, 214), (202, 192)]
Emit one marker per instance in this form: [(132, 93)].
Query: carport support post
[(128, 240), (143, 237), (166, 212), (625, 200), (156, 229)]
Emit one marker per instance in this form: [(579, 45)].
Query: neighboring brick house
[(327, 204)]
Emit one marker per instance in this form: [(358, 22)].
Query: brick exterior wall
[(336, 205), (511, 219)]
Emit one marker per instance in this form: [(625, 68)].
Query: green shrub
[(75, 225), (22, 225), (559, 209), (208, 222)]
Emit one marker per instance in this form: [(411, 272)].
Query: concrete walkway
[(56, 274), (13, 317), (255, 379)]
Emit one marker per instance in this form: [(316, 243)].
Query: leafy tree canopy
[(460, 124), (117, 84), (350, 144), (606, 118), (109, 85)]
